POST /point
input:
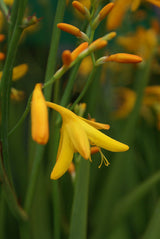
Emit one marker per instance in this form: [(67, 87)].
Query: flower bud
[(39, 116)]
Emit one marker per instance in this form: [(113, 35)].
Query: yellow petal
[(96, 124), (19, 71), (78, 137), (64, 156), (102, 140)]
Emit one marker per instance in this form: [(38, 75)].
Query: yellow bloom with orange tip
[(77, 134), (18, 72), (39, 116)]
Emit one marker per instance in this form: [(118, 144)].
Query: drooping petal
[(78, 137), (102, 140), (96, 124), (64, 156)]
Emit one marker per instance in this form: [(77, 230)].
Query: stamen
[(103, 159)]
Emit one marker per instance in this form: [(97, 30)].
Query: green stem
[(5, 98), (54, 45), (22, 117), (10, 195), (124, 206), (83, 92), (153, 230), (69, 87), (51, 63), (78, 228)]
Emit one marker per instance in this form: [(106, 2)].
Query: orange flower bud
[(79, 6), (2, 37), (97, 44), (66, 57), (105, 10), (123, 58), (72, 30), (39, 116), (2, 56), (94, 150), (79, 49)]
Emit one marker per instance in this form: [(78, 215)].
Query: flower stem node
[(39, 116)]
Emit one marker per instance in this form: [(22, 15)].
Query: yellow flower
[(142, 42), (115, 17), (77, 134), (18, 72), (39, 116), (125, 100)]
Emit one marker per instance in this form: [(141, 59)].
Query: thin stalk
[(78, 228), (69, 87), (51, 63), (9, 193), (83, 92), (5, 98)]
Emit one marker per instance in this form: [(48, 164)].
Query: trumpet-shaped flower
[(77, 134)]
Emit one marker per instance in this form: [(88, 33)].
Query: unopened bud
[(83, 46), (81, 8), (39, 116), (97, 44), (66, 57), (124, 58), (72, 30), (102, 14)]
